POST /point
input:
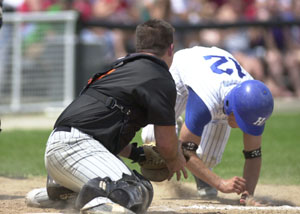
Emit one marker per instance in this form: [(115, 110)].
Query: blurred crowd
[(270, 54)]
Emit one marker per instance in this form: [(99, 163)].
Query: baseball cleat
[(39, 198), (102, 205), (205, 190)]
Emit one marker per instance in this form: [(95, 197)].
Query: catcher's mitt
[(153, 166), (157, 175), (152, 159)]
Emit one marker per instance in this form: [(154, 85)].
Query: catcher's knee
[(132, 191)]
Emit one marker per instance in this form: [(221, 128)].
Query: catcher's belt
[(110, 102)]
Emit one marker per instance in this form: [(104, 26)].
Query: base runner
[(217, 94)]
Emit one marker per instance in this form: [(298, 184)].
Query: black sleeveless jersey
[(143, 86)]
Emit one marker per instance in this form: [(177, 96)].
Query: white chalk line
[(230, 207), (55, 213), (224, 207), (213, 207)]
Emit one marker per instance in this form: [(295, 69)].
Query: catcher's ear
[(171, 50)]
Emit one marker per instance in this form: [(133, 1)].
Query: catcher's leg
[(58, 192), (133, 192), (75, 159)]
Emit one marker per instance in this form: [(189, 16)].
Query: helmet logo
[(260, 121)]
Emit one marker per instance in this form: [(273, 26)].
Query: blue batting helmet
[(252, 104)]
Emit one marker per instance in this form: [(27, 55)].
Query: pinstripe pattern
[(73, 158), (147, 134), (213, 141), (190, 69)]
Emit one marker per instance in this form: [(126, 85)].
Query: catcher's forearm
[(166, 142), (251, 173), (126, 151)]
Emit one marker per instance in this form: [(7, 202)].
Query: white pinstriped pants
[(73, 158), (213, 142)]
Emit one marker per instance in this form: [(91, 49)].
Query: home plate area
[(170, 197)]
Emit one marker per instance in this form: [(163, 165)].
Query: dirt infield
[(169, 198)]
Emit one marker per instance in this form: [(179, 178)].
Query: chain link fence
[(37, 57)]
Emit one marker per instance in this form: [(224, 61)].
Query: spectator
[(159, 9), (6, 35), (191, 12), (236, 41), (292, 56), (275, 44), (41, 40), (116, 11)]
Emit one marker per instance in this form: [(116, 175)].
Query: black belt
[(62, 128), (109, 102)]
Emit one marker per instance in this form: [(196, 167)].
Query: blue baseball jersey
[(203, 77)]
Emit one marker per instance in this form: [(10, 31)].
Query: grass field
[(21, 152)]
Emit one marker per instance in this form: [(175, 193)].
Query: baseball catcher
[(82, 152)]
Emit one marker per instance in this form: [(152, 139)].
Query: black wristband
[(252, 154), (136, 153), (189, 146)]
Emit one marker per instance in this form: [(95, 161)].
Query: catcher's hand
[(153, 166), (151, 159)]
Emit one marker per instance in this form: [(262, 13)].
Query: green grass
[(21, 152), (280, 151)]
